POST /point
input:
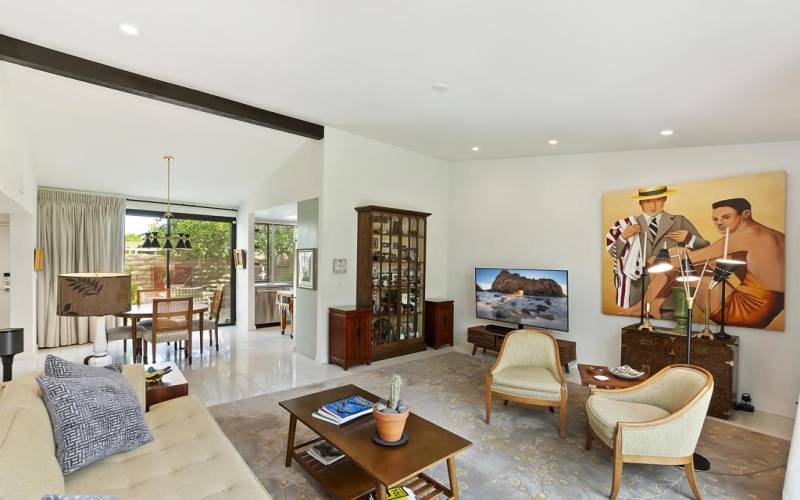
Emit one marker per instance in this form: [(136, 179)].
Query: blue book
[(347, 409)]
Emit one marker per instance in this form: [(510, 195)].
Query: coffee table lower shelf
[(344, 479)]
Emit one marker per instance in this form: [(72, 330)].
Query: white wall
[(359, 171), (305, 306), (5, 267), (18, 197), (299, 178), (544, 212)]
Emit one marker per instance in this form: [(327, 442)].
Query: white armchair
[(656, 422), (528, 370)]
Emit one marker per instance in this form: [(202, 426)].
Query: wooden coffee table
[(173, 385), (367, 466), (589, 371)]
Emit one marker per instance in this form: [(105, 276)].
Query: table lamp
[(95, 295), (12, 342)]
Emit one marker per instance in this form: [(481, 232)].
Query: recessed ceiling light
[(667, 132), (552, 142), (440, 87), (476, 148), (129, 29)]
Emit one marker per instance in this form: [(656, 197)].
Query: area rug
[(519, 455)]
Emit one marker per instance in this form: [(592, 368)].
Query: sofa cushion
[(527, 381), (189, 457), (605, 413), (92, 417), (28, 465)]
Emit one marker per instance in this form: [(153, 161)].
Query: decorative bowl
[(626, 372)]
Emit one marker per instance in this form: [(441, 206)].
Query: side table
[(589, 371), (172, 385)]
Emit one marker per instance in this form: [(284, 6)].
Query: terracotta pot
[(390, 425)]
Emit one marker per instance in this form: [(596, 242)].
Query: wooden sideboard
[(349, 336), (481, 337), (652, 351), (438, 322)]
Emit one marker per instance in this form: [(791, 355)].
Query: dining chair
[(212, 323), (656, 422), (528, 370), (147, 295), (172, 322)]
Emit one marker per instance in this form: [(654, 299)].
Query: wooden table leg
[(474, 349), (380, 491), (134, 344), (290, 441), (451, 471)]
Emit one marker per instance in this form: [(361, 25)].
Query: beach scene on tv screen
[(530, 297)]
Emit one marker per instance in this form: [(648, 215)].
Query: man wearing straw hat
[(649, 230)]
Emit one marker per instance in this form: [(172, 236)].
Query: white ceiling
[(599, 76), (287, 212), (85, 137)]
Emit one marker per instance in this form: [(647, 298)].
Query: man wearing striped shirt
[(654, 227)]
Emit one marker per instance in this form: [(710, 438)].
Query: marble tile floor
[(262, 361)]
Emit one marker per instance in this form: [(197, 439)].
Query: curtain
[(79, 232)]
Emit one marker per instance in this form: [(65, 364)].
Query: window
[(194, 272), (274, 253)]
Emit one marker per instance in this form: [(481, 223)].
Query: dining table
[(138, 312)]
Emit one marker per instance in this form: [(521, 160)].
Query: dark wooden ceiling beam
[(52, 61)]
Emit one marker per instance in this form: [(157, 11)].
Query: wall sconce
[(38, 259)]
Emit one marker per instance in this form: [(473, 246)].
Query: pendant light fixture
[(151, 239)]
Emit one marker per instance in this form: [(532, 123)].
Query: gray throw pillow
[(61, 368), (92, 418)]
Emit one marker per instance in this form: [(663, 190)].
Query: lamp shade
[(688, 274), (93, 294), (662, 264)]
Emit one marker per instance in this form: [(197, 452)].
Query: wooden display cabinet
[(390, 278)]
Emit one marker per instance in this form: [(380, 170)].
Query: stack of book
[(344, 410), (325, 453)]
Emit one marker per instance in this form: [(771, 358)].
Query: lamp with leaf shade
[(94, 295)]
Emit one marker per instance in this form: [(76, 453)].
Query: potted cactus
[(391, 414)]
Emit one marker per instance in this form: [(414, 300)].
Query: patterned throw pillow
[(92, 417), (61, 368)]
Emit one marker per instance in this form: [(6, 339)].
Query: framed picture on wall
[(307, 268)]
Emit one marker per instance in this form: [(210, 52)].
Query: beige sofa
[(189, 457)]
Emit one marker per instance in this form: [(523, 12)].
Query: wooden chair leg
[(201, 342), (552, 410), (216, 336), (488, 405), (617, 479), (588, 445), (210, 338), (153, 344), (124, 347), (562, 419), (690, 475)]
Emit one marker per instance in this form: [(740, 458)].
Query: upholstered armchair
[(528, 371), (655, 422)]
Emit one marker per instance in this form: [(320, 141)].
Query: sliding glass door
[(194, 272)]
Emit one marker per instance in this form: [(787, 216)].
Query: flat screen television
[(528, 297)]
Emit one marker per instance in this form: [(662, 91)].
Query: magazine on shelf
[(346, 409), (325, 453), (397, 493)]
